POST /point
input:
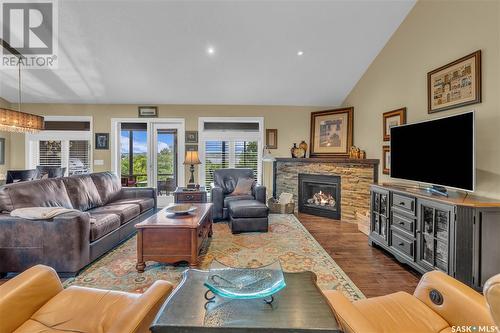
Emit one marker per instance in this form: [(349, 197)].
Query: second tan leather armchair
[(35, 301), (455, 304)]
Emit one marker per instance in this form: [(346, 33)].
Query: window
[(66, 143), (134, 158), (229, 143)]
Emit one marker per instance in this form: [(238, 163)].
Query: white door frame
[(176, 123)]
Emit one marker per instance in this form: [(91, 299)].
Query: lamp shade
[(192, 158)]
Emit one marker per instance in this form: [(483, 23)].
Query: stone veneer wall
[(355, 183)]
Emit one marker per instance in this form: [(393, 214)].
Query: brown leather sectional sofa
[(106, 217)]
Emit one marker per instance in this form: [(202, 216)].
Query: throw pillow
[(243, 187)]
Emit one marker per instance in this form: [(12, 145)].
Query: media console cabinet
[(458, 234)]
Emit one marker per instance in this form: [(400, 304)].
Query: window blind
[(50, 153), (79, 157), (229, 154)]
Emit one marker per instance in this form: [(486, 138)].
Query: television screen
[(439, 152)]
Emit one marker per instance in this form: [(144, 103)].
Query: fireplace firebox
[(319, 195)]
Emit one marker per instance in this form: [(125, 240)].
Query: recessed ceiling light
[(210, 50), (300, 53)]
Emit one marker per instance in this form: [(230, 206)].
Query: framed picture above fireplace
[(331, 132)]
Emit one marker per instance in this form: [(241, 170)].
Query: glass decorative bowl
[(245, 283)]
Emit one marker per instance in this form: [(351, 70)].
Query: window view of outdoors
[(134, 159)]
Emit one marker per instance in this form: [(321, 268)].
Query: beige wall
[(292, 123), (433, 34)]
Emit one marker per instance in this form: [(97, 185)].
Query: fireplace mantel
[(356, 177)]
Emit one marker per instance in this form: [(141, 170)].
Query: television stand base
[(439, 190)]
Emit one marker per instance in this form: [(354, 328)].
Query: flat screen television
[(438, 152)]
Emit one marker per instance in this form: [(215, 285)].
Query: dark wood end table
[(196, 196), (299, 307), (173, 238)]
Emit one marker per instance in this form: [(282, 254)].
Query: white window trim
[(204, 136), (115, 150), (31, 139)]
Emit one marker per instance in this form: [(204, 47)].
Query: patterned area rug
[(287, 240)]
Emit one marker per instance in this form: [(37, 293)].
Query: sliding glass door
[(148, 154)]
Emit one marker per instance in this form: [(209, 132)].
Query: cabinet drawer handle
[(402, 203), (189, 197), (401, 223), (401, 244)]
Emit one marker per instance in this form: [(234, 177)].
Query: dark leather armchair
[(225, 181)]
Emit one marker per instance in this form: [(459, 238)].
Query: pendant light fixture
[(16, 120)]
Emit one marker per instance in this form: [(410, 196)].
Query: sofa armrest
[(461, 306), (217, 197), (349, 317), (259, 193), (25, 294), (492, 293), (138, 192), (140, 314), (61, 243)]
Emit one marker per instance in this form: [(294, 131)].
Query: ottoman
[(248, 216)]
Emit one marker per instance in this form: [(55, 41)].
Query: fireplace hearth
[(319, 195)]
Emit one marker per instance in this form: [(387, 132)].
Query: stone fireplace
[(319, 195), (355, 177)]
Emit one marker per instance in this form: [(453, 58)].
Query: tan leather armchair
[(457, 305), (35, 301)]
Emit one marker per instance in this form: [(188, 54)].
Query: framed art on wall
[(102, 141), (455, 84), (386, 160), (331, 132), (191, 136), (271, 138), (391, 119), (148, 111)]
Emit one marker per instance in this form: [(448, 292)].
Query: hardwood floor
[(370, 268)]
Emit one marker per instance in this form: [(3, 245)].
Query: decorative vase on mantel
[(297, 152), (303, 145), (293, 150)]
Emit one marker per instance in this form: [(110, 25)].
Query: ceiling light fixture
[(211, 50), (300, 53), (15, 120)]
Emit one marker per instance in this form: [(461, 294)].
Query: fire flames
[(322, 199)]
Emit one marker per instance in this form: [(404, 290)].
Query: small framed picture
[(272, 138), (191, 147), (386, 160), (148, 111), (191, 136), (102, 141), (391, 119)]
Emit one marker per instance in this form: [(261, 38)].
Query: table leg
[(141, 265), (210, 232)]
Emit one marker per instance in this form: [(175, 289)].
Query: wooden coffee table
[(172, 238)]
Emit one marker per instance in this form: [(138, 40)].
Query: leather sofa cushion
[(36, 193), (231, 198), (103, 224), (144, 203), (247, 209), (400, 312), (126, 212), (108, 186), (228, 178), (82, 192), (77, 309)]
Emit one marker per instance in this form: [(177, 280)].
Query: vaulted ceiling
[(210, 52)]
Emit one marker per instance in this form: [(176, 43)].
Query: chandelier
[(15, 120)]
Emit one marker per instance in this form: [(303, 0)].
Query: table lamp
[(191, 159)]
